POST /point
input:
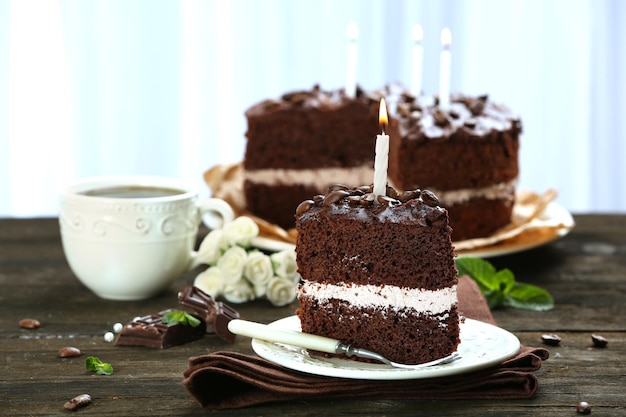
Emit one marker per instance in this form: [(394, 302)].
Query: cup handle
[(215, 213)]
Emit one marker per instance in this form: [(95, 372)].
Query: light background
[(160, 87)]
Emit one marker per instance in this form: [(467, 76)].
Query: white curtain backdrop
[(155, 87)]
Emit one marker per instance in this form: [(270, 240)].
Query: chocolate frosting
[(420, 206)]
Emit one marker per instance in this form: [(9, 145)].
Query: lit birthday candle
[(352, 33), (418, 57), (381, 160), (445, 70)]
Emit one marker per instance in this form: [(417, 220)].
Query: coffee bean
[(583, 407), (477, 107), (80, 401), (429, 198), (29, 323), (551, 339), (304, 207), (335, 196), (440, 118), (599, 341), (68, 352), (409, 195)]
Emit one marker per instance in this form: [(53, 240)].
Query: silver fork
[(320, 343), (348, 350)]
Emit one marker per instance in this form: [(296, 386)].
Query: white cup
[(131, 237)]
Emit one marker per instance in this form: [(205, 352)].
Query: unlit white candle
[(352, 33), (445, 63), (276, 335), (418, 58), (381, 160)]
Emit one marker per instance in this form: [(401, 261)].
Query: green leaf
[(101, 368), (504, 279), (529, 297), (479, 269), (500, 288), (176, 316)]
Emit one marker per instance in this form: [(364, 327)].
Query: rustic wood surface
[(585, 272)]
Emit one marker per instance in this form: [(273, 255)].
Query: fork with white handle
[(320, 343)]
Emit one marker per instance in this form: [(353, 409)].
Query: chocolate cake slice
[(378, 272)]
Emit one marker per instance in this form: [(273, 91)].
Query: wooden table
[(585, 272)]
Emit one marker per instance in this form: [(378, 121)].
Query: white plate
[(553, 213), (482, 345)]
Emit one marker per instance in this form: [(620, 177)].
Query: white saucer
[(482, 345)]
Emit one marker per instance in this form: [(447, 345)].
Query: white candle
[(381, 161), (445, 70), (352, 33), (418, 57)]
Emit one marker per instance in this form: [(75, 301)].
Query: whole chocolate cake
[(301, 143), (468, 156), (378, 272)]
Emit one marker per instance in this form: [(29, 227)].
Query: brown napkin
[(224, 380)]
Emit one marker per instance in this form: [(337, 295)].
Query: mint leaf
[(175, 316), (101, 368), (500, 288), (480, 270), (529, 297)]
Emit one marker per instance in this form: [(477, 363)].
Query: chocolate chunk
[(215, 313), (150, 331)]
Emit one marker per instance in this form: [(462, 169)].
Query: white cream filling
[(318, 177), (388, 296), (501, 191), (363, 175)]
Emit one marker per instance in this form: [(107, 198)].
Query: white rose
[(258, 270), (240, 231), (232, 262), (210, 249), (284, 264), (281, 291), (238, 292), (211, 281)]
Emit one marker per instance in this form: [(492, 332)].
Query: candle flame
[(352, 31), (383, 120), (446, 37), (418, 33)]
